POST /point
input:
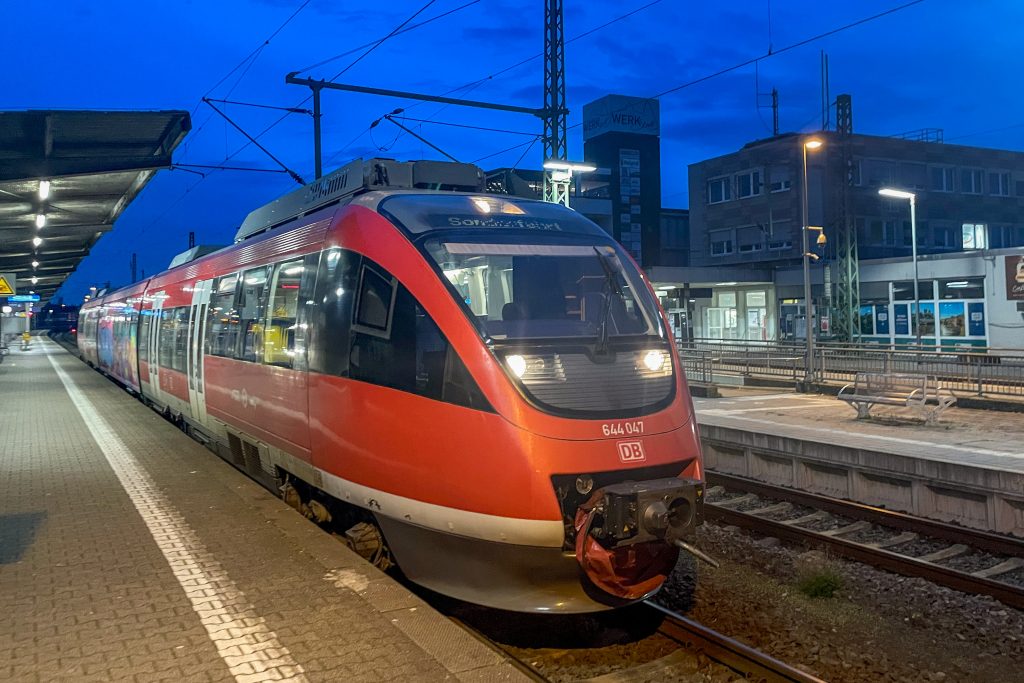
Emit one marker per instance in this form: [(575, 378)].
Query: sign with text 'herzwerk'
[(8, 284), (1015, 278)]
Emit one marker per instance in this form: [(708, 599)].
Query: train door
[(154, 346), (196, 338)]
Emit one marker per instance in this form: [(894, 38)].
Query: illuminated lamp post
[(812, 144), (903, 194)]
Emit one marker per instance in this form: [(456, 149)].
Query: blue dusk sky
[(936, 64)]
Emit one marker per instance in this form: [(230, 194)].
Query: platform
[(130, 552), (969, 468)]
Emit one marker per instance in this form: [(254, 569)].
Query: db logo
[(631, 451)]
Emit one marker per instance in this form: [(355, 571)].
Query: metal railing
[(994, 372)]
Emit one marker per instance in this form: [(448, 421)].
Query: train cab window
[(222, 324), (279, 331), (251, 305), (376, 300)]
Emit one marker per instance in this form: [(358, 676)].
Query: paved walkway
[(987, 439), (130, 552)]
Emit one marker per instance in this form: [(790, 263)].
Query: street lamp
[(560, 177), (809, 144), (903, 194)]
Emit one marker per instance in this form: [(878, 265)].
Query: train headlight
[(517, 364), (654, 360)]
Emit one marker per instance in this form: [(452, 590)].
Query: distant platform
[(130, 552), (968, 468)]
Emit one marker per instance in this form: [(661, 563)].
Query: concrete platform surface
[(968, 468), (984, 438), (130, 552)]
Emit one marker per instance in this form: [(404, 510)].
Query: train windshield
[(529, 291)]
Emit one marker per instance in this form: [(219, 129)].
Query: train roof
[(356, 178)]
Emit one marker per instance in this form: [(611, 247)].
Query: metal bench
[(918, 392)]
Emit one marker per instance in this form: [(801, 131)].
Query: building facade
[(745, 220)]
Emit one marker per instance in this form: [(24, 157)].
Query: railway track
[(696, 652), (966, 560)]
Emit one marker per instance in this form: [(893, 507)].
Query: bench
[(918, 392)]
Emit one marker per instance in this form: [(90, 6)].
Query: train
[(477, 387)]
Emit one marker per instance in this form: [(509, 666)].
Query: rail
[(876, 554), (996, 372)]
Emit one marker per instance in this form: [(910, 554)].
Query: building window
[(748, 184), (881, 173), (779, 180), (854, 173), (721, 242), (892, 233), (974, 236), (719, 190), (1000, 236), (779, 245), (750, 239), (913, 175), (946, 236), (970, 180), (962, 288), (942, 178), (999, 184)]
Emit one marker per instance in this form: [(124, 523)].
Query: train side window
[(181, 338), (167, 337), (330, 315), (279, 332), (251, 304), (145, 322), (222, 323)]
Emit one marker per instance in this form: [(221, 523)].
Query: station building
[(745, 278)]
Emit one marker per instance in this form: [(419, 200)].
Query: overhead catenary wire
[(383, 40), (787, 48), (380, 40)]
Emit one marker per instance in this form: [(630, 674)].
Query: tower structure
[(556, 189), (847, 313)]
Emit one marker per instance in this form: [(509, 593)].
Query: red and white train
[(478, 387)]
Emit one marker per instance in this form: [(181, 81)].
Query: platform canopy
[(94, 162)]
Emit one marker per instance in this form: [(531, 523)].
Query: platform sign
[(23, 299), (8, 284)]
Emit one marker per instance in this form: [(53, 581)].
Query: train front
[(583, 366)]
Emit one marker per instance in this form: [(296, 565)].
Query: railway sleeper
[(1001, 568), (818, 516), (848, 529), (905, 537), (771, 509), (945, 553)]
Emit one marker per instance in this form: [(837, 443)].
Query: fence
[(999, 372)]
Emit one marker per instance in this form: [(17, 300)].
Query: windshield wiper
[(611, 286)]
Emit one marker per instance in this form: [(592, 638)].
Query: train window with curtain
[(251, 305), (279, 332), (222, 323)]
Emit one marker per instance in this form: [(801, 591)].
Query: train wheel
[(368, 542)]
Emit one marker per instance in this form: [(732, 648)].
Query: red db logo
[(631, 451)]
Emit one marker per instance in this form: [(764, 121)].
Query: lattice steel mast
[(555, 147)]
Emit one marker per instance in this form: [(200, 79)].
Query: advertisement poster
[(976, 319), (1015, 278), (951, 319), (902, 321), (882, 319)]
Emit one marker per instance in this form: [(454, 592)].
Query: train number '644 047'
[(631, 428)]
